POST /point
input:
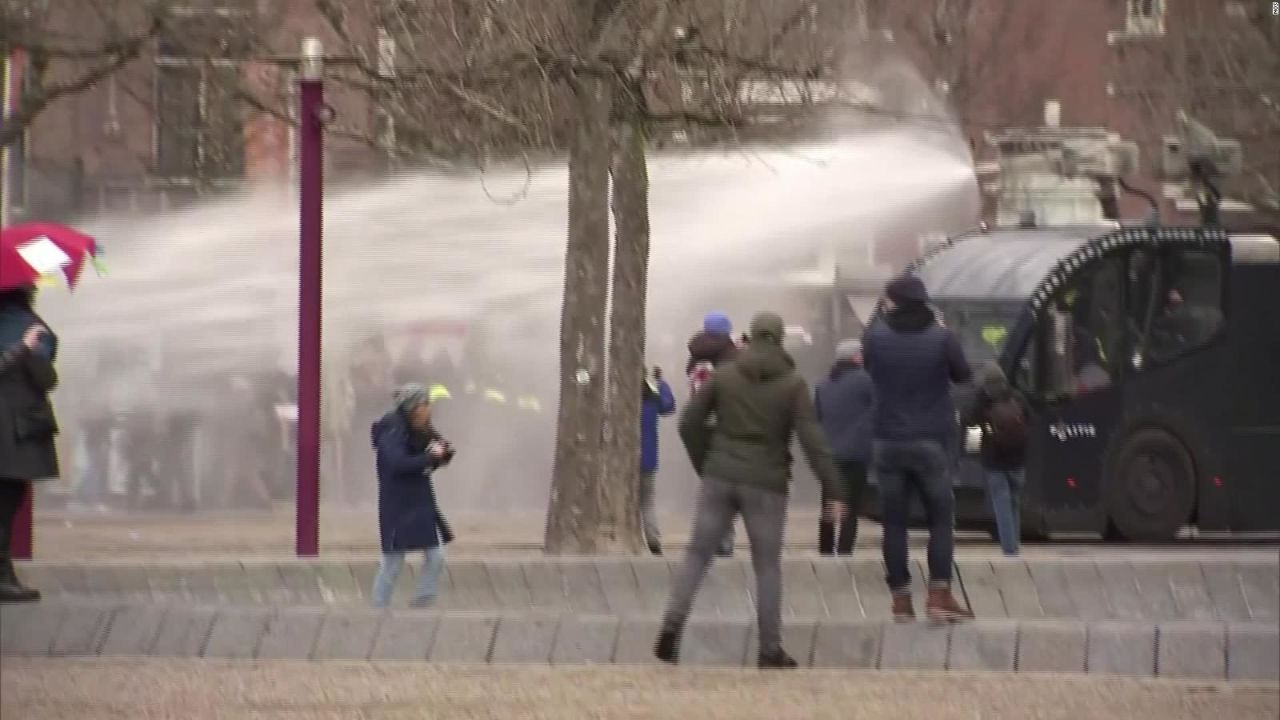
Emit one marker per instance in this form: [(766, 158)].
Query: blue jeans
[(1004, 487), (920, 465), (389, 571)]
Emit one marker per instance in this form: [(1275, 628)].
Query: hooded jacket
[(715, 348), (845, 403), (27, 422), (760, 403), (994, 387), (914, 361), (408, 516)]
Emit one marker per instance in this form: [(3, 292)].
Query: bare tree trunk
[(574, 512), (619, 487)]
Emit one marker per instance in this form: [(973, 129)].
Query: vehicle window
[(1190, 309), (981, 327), (1084, 338)]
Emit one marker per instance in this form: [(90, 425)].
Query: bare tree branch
[(114, 54)]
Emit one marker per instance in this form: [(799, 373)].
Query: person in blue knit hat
[(708, 350), (713, 344)]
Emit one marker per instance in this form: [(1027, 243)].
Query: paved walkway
[(125, 689), (1237, 586), (1212, 614), (1207, 650)]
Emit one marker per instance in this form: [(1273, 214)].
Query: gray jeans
[(764, 513), (648, 511)]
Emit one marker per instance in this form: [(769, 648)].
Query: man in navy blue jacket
[(913, 361)]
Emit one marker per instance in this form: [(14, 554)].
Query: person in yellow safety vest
[(438, 392), (495, 396)]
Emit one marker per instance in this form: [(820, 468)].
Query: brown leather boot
[(903, 610), (942, 607)]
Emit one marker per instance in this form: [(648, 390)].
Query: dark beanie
[(907, 289)]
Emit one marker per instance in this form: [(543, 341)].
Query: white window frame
[(1140, 23), (202, 63)]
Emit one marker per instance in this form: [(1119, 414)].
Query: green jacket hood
[(762, 361)]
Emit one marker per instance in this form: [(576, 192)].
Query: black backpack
[(1008, 422)]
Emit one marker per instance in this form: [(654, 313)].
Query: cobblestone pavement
[(67, 689)]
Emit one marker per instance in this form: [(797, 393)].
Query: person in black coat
[(1001, 411), (27, 424), (408, 450), (845, 403)]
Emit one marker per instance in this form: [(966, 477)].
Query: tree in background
[(68, 48), (1220, 62), (471, 82)]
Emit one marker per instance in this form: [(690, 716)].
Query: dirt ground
[(66, 689)]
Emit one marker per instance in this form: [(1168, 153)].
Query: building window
[(199, 120), (13, 159), (199, 123), (1145, 17)]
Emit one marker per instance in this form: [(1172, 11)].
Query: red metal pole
[(311, 110), (20, 535)]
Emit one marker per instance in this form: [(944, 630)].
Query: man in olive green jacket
[(745, 464)]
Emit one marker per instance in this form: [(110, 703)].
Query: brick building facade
[(163, 131)]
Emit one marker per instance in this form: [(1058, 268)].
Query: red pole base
[(20, 535)]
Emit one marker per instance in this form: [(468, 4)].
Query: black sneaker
[(667, 648), (12, 592), (655, 549), (777, 660)]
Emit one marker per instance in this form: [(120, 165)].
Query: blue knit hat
[(717, 323)]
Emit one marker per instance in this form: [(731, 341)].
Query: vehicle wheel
[(1151, 487)]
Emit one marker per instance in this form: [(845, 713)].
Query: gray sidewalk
[(1205, 650), (1225, 587)]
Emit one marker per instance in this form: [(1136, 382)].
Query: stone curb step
[(1240, 589), (1214, 651)]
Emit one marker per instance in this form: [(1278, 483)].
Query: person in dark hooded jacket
[(745, 465), (1003, 452), (408, 450), (27, 424), (845, 403), (913, 361), (713, 344)]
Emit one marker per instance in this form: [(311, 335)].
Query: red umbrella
[(35, 251)]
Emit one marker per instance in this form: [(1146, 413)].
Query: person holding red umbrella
[(27, 425)]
